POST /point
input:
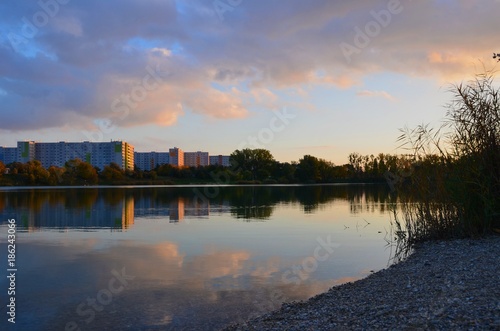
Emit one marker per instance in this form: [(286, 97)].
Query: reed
[(453, 189)]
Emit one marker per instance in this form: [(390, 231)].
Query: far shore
[(208, 184), (443, 285)]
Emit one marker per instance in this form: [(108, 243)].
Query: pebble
[(445, 285)]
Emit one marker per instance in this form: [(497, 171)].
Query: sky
[(319, 77)]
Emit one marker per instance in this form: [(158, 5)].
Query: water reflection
[(198, 263), (116, 208), (79, 209)]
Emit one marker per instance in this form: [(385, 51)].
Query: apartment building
[(196, 159), (222, 160), (8, 154), (99, 154), (25, 151), (119, 152), (150, 160), (176, 156)]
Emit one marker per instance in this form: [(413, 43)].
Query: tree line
[(247, 166)]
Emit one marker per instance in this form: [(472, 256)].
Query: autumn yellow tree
[(2, 168)]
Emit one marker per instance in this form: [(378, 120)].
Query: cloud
[(71, 70), (376, 94), (218, 104)]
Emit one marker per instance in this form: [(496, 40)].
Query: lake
[(184, 258)]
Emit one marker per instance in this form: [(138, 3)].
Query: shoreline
[(450, 285), (104, 186)]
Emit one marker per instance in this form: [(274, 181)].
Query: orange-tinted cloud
[(72, 70)]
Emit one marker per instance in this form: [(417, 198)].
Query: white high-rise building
[(222, 160), (25, 151), (196, 159), (98, 154), (150, 160), (8, 155)]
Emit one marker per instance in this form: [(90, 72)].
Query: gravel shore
[(447, 285)]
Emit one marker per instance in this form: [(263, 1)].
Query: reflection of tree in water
[(2, 201), (244, 199), (68, 198), (252, 212), (80, 199), (254, 202), (56, 198), (311, 198), (113, 197), (25, 199), (373, 198), (245, 202)]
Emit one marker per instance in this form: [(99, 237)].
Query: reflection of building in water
[(25, 220), (127, 213), (147, 207), (189, 209), (98, 214), (92, 209), (222, 208), (197, 209), (176, 210)]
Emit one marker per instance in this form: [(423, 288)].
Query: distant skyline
[(320, 77)]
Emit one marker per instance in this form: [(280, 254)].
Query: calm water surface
[(184, 258)]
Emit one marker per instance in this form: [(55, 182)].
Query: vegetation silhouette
[(453, 187)]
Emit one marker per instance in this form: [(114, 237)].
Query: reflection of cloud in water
[(171, 289), (218, 264), (170, 252), (267, 270)]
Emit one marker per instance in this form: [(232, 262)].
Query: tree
[(312, 169), (112, 172), (284, 172), (79, 172), (258, 162), (356, 161), (2, 168), (32, 173), (382, 168), (308, 169), (56, 175), (167, 170)]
